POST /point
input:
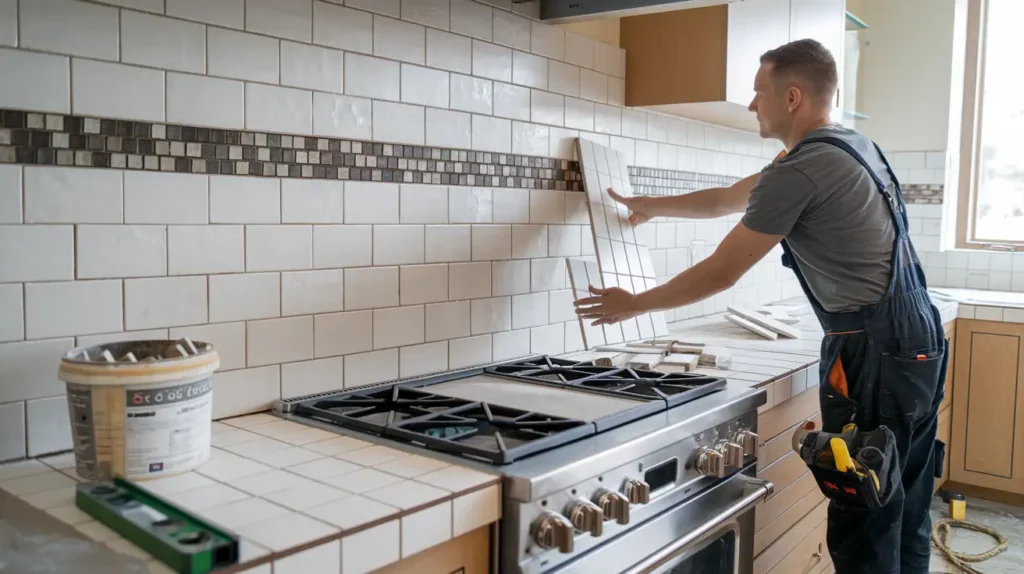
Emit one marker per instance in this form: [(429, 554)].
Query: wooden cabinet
[(467, 554), (987, 443)]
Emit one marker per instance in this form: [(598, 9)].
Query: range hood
[(560, 11)]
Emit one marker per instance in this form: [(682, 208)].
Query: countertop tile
[(227, 466), (324, 468), (362, 480), (351, 511), (234, 515), (411, 466), (372, 456), (249, 421), (175, 484), (288, 531), (406, 494), (338, 444), (306, 494), (37, 482), (289, 456), (267, 482), (207, 496), (456, 478)]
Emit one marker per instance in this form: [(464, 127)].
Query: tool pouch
[(875, 450)]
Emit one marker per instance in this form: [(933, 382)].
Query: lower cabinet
[(467, 554)]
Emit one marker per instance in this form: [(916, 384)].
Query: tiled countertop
[(302, 499)]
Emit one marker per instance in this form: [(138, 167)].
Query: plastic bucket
[(140, 409)]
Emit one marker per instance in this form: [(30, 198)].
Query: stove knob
[(749, 441), (733, 454), (586, 516), (552, 530), (637, 491), (710, 462), (613, 504)]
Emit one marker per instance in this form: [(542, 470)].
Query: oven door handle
[(762, 490)]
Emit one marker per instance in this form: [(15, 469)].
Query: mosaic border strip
[(67, 140), (923, 193), (654, 181)]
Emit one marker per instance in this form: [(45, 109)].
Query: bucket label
[(82, 431), (167, 429)]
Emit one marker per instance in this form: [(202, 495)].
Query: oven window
[(719, 557)]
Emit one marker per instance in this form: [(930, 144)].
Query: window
[(990, 182)]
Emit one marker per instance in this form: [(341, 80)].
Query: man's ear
[(793, 98)]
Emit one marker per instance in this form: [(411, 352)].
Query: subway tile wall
[(307, 285)]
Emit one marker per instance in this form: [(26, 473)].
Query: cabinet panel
[(468, 554), (824, 21), (754, 28)]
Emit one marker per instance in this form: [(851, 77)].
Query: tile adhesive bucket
[(141, 409)]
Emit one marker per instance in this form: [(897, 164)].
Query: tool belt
[(853, 468)]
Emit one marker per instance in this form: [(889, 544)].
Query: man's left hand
[(610, 306)]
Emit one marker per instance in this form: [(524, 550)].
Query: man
[(835, 205)]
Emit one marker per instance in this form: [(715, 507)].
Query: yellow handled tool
[(845, 463)]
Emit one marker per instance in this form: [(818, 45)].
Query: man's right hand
[(639, 207)]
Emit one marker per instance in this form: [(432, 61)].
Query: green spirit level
[(182, 541)]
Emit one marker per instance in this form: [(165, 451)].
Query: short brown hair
[(808, 60)]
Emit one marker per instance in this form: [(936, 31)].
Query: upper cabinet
[(700, 62)]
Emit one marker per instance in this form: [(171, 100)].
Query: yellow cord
[(940, 538)]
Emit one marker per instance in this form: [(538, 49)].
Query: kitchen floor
[(1007, 520)]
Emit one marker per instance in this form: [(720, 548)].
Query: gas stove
[(595, 459)]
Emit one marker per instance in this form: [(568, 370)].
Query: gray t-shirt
[(836, 221)]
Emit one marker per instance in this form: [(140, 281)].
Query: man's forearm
[(692, 285)]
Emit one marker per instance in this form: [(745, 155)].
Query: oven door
[(711, 533)]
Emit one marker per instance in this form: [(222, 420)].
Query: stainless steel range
[(605, 469)]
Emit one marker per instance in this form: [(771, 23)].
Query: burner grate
[(373, 411)]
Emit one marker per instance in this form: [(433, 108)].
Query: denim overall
[(893, 357)]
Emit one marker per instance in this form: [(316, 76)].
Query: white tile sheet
[(623, 259)]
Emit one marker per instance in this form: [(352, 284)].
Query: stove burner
[(372, 411)]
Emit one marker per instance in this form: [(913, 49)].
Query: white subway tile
[(492, 242), (399, 40), (245, 391), (529, 310), (69, 195), (471, 19), (277, 109), (935, 160), (367, 202), (67, 27), (469, 351), (449, 51), (312, 201), (563, 143), (563, 78), (593, 86), (10, 194), (8, 37), (564, 241), (309, 292), (579, 50), (227, 338), (201, 249), (530, 139), (387, 7), (420, 284), (278, 247), (48, 426), (547, 108), (229, 13), (529, 70), (561, 307), (548, 41), (448, 129), (372, 77), (576, 210), (90, 340), (239, 199), (529, 241), (342, 246), (160, 42), (43, 81), (469, 204), (424, 203), (511, 344), (447, 320), (366, 369), (548, 340), (273, 341), (511, 30), (606, 58), (427, 12), (399, 123), (111, 251), (492, 61), (29, 369), (398, 326), (492, 134), (446, 243), (164, 302), (12, 415), (342, 116), (243, 56), (312, 67), (12, 328), (205, 101), (371, 288), (471, 94), (511, 205), (343, 333), (547, 206), (511, 101), (608, 119), (291, 20), (634, 124), (397, 244), (511, 277), (579, 114), (469, 280), (490, 315), (424, 86), (423, 359), (547, 274), (36, 253), (311, 377), (140, 93), (72, 308)]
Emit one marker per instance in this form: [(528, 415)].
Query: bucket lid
[(139, 362)]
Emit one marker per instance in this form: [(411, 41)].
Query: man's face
[(770, 103)]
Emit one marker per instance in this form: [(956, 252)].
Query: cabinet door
[(987, 446), (824, 21), (754, 28)]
